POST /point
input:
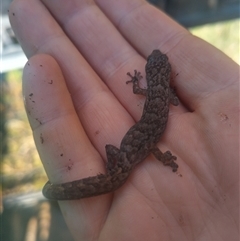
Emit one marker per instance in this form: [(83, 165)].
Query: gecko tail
[(83, 188)]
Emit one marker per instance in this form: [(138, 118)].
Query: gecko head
[(157, 61), (157, 58)]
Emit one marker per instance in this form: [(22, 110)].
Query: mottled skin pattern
[(139, 141)]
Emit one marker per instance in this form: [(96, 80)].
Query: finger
[(65, 150), (197, 64), (104, 48), (84, 85), (145, 26), (56, 128), (36, 37), (82, 82), (99, 122)]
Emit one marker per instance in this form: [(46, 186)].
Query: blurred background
[(25, 214)]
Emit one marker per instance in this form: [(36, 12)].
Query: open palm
[(77, 100)]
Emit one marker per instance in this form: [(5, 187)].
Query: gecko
[(139, 141)]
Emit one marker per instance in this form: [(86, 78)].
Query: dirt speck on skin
[(97, 132)]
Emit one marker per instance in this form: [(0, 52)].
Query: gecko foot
[(135, 80), (137, 76), (168, 160)]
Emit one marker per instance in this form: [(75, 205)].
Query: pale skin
[(75, 108)]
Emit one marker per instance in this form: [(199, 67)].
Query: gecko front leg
[(135, 80)]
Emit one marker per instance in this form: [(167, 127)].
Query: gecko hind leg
[(112, 156), (173, 97), (166, 158)]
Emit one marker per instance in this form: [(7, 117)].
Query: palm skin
[(77, 100)]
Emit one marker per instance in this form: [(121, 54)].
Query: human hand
[(80, 103)]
